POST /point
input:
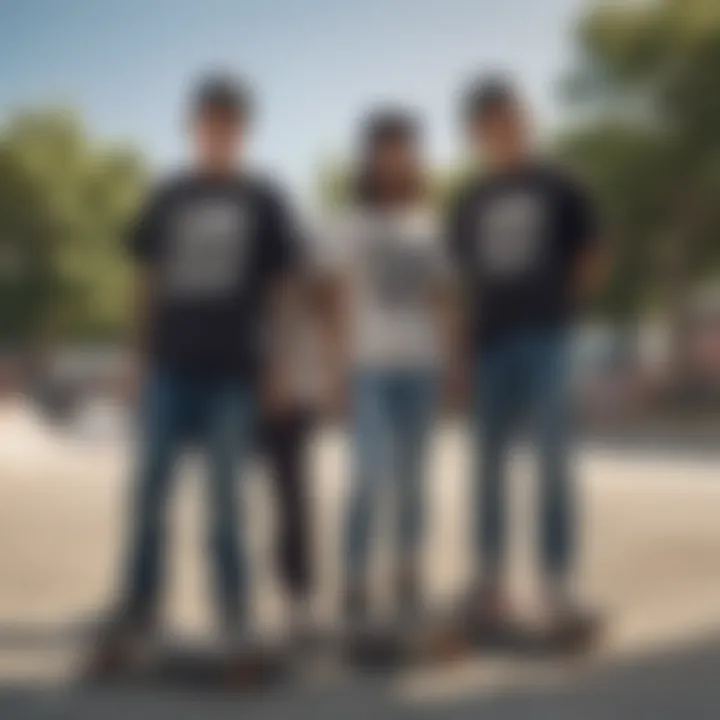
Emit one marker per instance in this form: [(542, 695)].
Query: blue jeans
[(393, 413), (520, 378), (218, 415)]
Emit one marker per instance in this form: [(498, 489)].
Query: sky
[(316, 66)]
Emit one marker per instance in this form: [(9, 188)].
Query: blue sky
[(317, 64)]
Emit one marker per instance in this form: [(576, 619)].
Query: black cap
[(388, 124), (222, 93), (487, 95)]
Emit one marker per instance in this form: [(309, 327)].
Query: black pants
[(284, 442)]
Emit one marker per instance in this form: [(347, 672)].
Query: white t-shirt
[(393, 265)]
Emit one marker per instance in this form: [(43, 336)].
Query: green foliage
[(334, 185), (64, 207), (650, 73)]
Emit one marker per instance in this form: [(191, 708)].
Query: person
[(392, 277), (525, 238), (211, 248)]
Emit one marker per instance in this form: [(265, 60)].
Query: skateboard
[(578, 636), (175, 663)]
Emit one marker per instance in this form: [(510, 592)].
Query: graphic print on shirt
[(207, 250), (510, 236), (400, 275)]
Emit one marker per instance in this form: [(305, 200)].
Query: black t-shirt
[(516, 238), (215, 248)]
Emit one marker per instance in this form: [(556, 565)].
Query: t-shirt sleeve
[(145, 232)]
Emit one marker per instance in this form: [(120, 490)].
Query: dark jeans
[(218, 416), (520, 378), (284, 443), (393, 415)]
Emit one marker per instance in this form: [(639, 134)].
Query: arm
[(455, 331), (590, 263), (335, 332), (144, 249), (330, 298), (282, 261)]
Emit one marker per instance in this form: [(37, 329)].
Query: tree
[(650, 72), (64, 206), (625, 167)]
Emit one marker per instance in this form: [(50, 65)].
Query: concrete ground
[(650, 559)]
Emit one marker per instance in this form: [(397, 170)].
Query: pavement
[(650, 560), (682, 684)]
